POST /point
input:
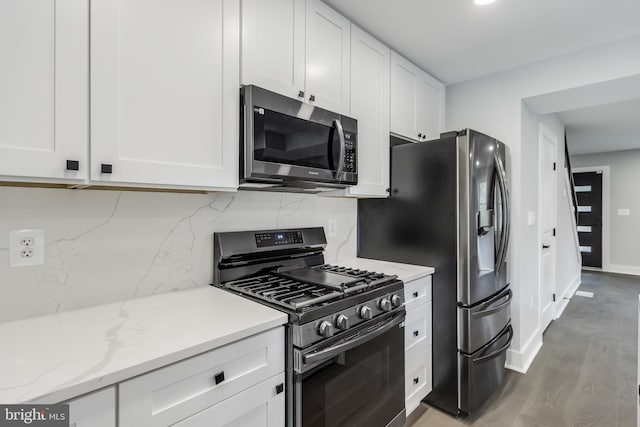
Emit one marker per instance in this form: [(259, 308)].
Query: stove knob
[(342, 322), (396, 301), (325, 329), (365, 313), (385, 305)]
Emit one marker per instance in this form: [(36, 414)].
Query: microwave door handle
[(348, 345), (338, 126)]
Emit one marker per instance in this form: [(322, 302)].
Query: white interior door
[(548, 158)]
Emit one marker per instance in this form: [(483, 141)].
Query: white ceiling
[(610, 127), (456, 40)]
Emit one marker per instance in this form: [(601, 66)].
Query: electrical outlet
[(333, 228), (26, 247)]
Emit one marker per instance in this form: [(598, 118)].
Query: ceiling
[(610, 127), (456, 40)]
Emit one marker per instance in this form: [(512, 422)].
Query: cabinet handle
[(312, 98), (73, 165), (416, 333), (416, 380), (106, 168), (219, 377), (301, 94), (415, 294), (279, 388)]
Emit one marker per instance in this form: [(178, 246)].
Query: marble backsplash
[(104, 246)]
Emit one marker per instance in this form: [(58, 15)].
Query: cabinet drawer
[(416, 355), (173, 393), (417, 292), (418, 326), (261, 405), (417, 381)]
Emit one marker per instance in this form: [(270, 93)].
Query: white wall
[(624, 231), (105, 246), (493, 105)]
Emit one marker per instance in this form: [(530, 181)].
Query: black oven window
[(360, 387), (284, 139)]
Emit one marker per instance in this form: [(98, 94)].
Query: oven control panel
[(336, 323), (278, 238)]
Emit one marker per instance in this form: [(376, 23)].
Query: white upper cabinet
[(417, 101), (43, 90), (164, 93), (370, 80), (273, 45), (299, 49), (327, 57), (430, 106)]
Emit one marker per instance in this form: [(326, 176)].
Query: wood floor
[(585, 373)]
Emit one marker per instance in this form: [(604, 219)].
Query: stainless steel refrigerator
[(449, 208)]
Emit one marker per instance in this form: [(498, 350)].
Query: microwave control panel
[(278, 238), (349, 152)]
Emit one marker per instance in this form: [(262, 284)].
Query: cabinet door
[(164, 81), (370, 106), (43, 89), (404, 82), (261, 405), (430, 98), (273, 45), (327, 57), (94, 410)]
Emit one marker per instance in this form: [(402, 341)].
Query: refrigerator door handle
[(506, 212), (497, 352), (496, 308)]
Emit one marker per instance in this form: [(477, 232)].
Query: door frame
[(544, 131), (606, 265)]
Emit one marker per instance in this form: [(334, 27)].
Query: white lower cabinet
[(417, 343), (240, 384), (97, 409), (261, 405)]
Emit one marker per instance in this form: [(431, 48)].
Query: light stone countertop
[(405, 272), (54, 358)]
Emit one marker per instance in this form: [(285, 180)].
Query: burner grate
[(282, 291), (299, 295)]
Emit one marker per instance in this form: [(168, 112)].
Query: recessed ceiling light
[(483, 2)]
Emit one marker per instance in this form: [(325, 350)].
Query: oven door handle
[(338, 125), (333, 351)]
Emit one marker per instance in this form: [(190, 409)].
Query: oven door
[(355, 379)]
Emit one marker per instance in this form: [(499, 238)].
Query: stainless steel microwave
[(289, 145)]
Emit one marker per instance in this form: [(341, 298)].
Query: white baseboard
[(520, 361), (623, 269), (566, 297)]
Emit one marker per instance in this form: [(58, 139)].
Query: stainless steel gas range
[(345, 336)]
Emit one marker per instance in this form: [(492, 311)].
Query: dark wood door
[(589, 192)]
